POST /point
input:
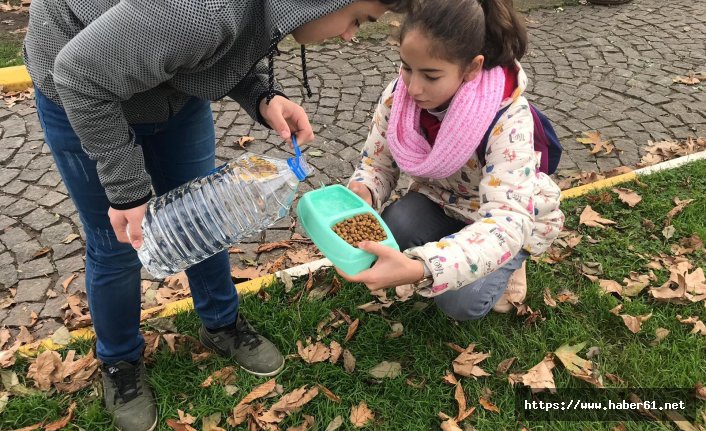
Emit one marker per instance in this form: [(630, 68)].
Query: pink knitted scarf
[(469, 115)]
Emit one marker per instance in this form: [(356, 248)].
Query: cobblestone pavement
[(591, 68)]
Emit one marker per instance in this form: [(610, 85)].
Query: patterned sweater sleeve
[(376, 168), (94, 73), (507, 188)]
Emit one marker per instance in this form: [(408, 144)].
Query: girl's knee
[(462, 310)]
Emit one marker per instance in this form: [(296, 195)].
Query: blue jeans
[(415, 220), (175, 152)]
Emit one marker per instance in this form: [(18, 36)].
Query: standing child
[(465, 225)]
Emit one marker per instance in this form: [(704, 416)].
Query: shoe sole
[(152, 427), (206, 342)]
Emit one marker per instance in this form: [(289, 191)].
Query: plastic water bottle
[(211, 213)]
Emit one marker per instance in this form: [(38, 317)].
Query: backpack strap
[(483, 146)]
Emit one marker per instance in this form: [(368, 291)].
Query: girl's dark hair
[(399, 6), (462, 29)]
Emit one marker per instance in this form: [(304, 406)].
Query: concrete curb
[(14, 78), (254, 285)]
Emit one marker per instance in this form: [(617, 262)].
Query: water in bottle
[(211, 213)]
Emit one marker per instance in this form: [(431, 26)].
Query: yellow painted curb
[(600, 184), (14, 78), (170, 309)]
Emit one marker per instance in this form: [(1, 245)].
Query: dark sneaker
[(128, 397), (253, 352)]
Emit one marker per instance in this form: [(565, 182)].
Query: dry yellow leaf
[(466, 364), (361, 415), (628, 196), (577, 366), (313, 353), (589, 217), (539, 378)]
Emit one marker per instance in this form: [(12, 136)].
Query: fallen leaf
[(386, 369), (287, 280), (273, 246), (660, 334), (243, 408), (450, 378), (577, 366), (335, 424), (65, 284), (210, 423), (539, 378), (448, 423), (330, 395), (397, 330), (351, 330), (4, 337), (690, 79), (699, 326), (41, 252), (336, 351), (567, 296), (304, 426), (669, 231), (611, 286), (594, 138), (361, 415), (700, 391), (460, 397), (680, 205), (46, 370), (373, 306), (244, 140), (248, 273), (288, 403), (635, 322), (548, 298), (61, 336), (628, 196), (680, 421), (348, 361), (466, 364), (185, 418), (224, 376), (313, 353), (589, 217), (61, 423), (505, 365), (179, 426), (486, 404)]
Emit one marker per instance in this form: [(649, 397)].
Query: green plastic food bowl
[(319, 210)]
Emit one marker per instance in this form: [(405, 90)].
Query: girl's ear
[(474, 69)]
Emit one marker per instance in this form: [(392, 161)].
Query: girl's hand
[(362, 190), (391, 269), (127, 224), (286, 117)]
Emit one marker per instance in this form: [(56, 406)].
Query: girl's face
[(344, 22), (432, 81)]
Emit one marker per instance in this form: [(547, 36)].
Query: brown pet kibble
[(363, 227)]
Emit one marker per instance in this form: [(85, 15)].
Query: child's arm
[(507, 190), (376, 168)]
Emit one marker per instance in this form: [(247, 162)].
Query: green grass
[(10, 51), (677, 362)]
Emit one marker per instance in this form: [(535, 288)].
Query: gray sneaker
[(128, 397), (253, 352)]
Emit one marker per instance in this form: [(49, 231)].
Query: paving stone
[(7, 175), (14, 236), (51, 198), (70, 264), (56, 234), (6, 201), (62, 250), (15, 188), (50, 179), (8, 275), (77, 285), (52, 306), (35, 268), (33, 290), (39, 219), (21, 314), (19, 208), (25, 250), (13, 126)]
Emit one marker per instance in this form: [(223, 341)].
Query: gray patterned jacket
[(111, 63)]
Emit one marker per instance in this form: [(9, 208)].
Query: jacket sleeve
[(133, 47), (507, 188), (252, 89), (376, 168)]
